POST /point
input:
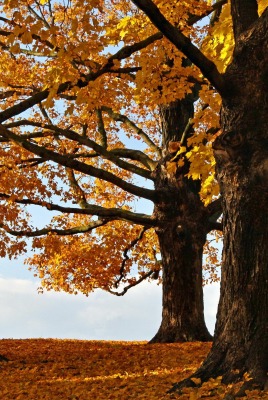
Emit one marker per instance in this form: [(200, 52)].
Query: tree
[(240, 343), (62, 64)]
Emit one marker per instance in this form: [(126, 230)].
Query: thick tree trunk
[(241, 336), (182, 235), (181, 243)]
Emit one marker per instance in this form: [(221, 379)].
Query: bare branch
[(40, 18)]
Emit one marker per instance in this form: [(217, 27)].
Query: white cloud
[(24, 313), (136, 316)]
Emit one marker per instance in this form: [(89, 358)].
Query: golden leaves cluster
[(45, 44), (83, 263)]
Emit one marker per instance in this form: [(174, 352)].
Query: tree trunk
[(241, 336), (181, 243), (182, 235)]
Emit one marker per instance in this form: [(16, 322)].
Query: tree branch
[(214, 210), (79, 193), (7, 94), (215, 207), (101, 128), (214, 8), (83, 140), (136, 155), (92, 209), (139, 131), (131, 154), (61, 232), (126, 288), (217, 12), (66, 161), (244, 13), (123, 53), (183, 43), (126, 257), (215, 226)]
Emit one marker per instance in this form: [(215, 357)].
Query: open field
[(52, 369)]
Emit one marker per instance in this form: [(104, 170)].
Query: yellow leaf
[(171, 168), (197, 381), (26, 38), (15, 49)]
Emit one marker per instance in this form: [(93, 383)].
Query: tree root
[(196, 381), (185, 383)]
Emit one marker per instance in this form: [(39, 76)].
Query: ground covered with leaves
[(84, 370)]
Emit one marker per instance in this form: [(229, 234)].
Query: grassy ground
[(88, 370)]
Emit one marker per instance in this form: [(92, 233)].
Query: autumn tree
[(78, 98), (240, 344)]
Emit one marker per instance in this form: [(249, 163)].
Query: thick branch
[(136, 155), (66, 161), (83, 140), (244, 13), (215, 226), (183, 43), (131, 154), (215, 208), (92, 209)]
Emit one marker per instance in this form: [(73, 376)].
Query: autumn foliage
[(81, 133), (84, 370)]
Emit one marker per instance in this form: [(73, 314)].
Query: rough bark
[(181, 239), (182, 234), (241, 336)]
